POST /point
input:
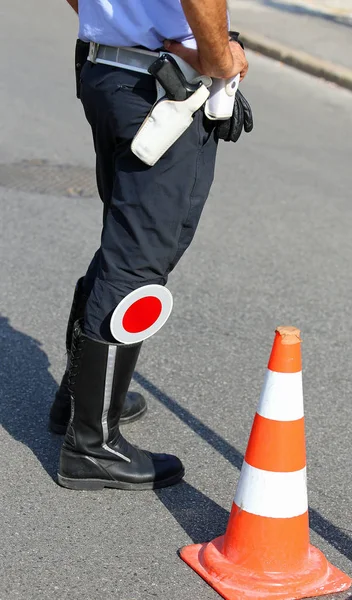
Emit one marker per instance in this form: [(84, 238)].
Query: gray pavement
[(294, 26), (274, 247), (338, 10), (317, 43)]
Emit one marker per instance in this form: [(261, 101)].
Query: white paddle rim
[(153, 290)]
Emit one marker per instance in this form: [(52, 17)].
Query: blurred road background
[(274, 247), (314, 35), (335, 10)]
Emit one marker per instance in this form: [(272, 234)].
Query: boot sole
[(135, 417), (61, 429), (100, 484)]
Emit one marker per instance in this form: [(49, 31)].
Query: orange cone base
[(234, 582)]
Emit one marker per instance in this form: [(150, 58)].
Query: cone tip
[(289, 335)]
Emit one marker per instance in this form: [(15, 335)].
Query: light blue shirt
[(133, 22)]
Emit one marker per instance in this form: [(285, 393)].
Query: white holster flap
[(165, 123), (220, 103)]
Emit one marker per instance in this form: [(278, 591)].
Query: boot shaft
[(99, 377), (79, 302)]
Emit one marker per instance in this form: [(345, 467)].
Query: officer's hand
[(237, 62), (240, 63)]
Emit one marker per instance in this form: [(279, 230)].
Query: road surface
[(274, 247)]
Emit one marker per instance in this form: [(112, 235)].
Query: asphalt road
[(274, 247), (296, 26)]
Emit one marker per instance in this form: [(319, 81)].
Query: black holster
[(81, 55)]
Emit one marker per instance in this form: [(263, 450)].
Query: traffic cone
[(265, 552)]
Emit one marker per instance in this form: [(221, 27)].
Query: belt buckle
[(93, 51)]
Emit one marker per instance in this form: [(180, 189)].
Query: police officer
[(150, 216)]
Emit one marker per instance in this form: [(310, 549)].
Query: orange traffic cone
[(265, 552)]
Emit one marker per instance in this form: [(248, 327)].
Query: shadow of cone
[(265, 552)]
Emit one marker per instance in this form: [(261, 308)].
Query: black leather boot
[(94, 453), (135, 405)]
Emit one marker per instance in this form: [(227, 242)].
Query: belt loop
[(93, 51)]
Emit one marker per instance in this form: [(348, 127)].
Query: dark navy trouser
[(150, 213)]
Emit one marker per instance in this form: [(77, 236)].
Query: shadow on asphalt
[(335, 536), (200, 517), (26, 391)]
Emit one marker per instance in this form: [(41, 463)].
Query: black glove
[(242, 118), (235, 37)]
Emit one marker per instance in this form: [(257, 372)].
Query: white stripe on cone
[(282, 396), (271, 494)]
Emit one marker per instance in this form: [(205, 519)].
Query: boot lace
[(75, 355)]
